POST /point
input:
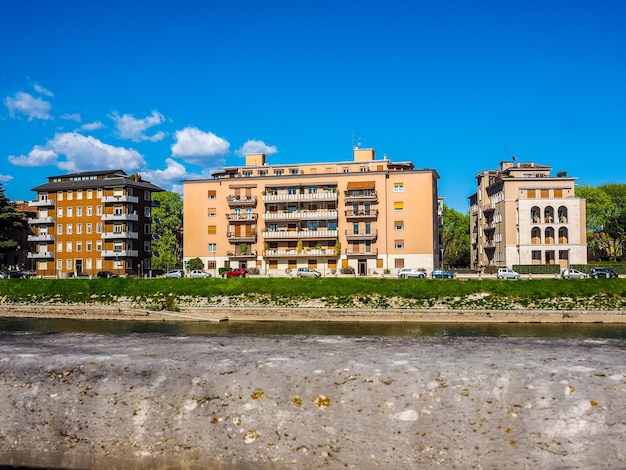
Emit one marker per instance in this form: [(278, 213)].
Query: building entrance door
[(362, 267), (78, 267)]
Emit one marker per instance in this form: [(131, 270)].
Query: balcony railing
[(366, 195), (299, 234), (351, 235), (120, 217), (42, 203), (239, 254), (361, 252), (362, 214), (488, 207), (40, 238), (301, 215), (284, 197), (120, 235), (122, 198), (241, 237), (241, 200), (40, 220), (40, 255), (120, 253), (242, 217), (327, 253)]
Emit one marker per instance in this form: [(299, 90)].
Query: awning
[(358, 185)]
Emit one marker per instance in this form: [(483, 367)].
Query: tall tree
[(456, 238), (167, 228), (11, 222)]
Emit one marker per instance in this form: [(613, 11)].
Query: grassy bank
[(170, 294)]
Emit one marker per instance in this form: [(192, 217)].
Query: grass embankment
[(171, 294)]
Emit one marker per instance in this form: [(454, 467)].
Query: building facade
[(520, 214), (368, 214), (92, 221)]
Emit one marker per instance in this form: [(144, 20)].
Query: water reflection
[(557, 330)]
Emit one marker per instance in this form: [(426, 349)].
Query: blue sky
[(176, 90)]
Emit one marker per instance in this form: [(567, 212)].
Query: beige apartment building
[(370, 214), (521, 215), (92, 221)]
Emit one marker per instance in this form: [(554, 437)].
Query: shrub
[(347, 270)]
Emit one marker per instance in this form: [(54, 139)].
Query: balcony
[(234, 237), (489, 226), (301, 197), (41, 238), (239, 255), (489, 244), (326, 253), (301, 215), (488, 208), (350, 252), (120, 235), (367, 195), (41, 255), (242, 217), (120, 217), (351, 235), (40, 220), (362, 214), (241, 200), (120, 253), (122, 198), (299, 234), (42, 203)]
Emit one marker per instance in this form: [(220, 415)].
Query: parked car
[(441, 274), (571, 273), (16, 274), (238, 272), (199, 273), (507, 273), (405, 273), (175, 273), (602, 272), (308, 272), (3, 275), (106, 274)]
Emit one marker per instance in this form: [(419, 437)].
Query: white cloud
[(256, 146), (172, 174), (28, 105), (92, 126), (196, 146), (4, 178), (42, 91), (71, 117), (38, 156), (134, 129), (81, 153)]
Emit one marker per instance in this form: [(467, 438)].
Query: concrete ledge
[(153, 401)]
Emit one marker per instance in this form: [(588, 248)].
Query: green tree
[(11, 223), (456, 238), (167, 228), (195, 263)]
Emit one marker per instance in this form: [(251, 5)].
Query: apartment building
[(520, 214), (92, 221), (366, 213)]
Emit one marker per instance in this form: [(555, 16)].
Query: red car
[(239, 272)]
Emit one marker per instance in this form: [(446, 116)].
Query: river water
[(534, 330)]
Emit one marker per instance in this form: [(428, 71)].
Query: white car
[(507, 273), (198, 273), (175, 273), (308, 272), (573, 274), (405, 273)]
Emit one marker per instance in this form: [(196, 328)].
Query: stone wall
[(153, 401)]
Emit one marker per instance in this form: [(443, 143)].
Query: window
[(68, 247), (212, 247), (118, 264), (291, 191), (146, 211), (89, 228), (545, 193), (312, 263), (89, 246), (292, 263), (79, 246), (68, 229), (262, 173), (90, 194), (531, 193), (147, 246), (293, 171), (398, 244), (59, 229), (212, 212), (117, 228), (68, 264), (398, 225), (99, 263), (147, 195), (99, 227), (70, 194), (147, 229), (247, 174), (99, 193), (398, 206), (362, 169), (59, 196), (89, 211), (273, 264), (98, 245), (79, 194), (399, 263), (89, 263), (60, 212), (558, 193), (212, 229), (70, 212), (346, 169), (59, 265), (79, 229), (60, 247), (211, 193), (398, 187), (278, 172), (98, 210)]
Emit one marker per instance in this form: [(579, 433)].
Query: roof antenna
[(358, 143)]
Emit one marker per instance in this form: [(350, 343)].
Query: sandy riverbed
[(101, 312)]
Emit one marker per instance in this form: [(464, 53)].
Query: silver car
[(573, 274), (507, 273), (406, 273), (199, 273), (308, 272)]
